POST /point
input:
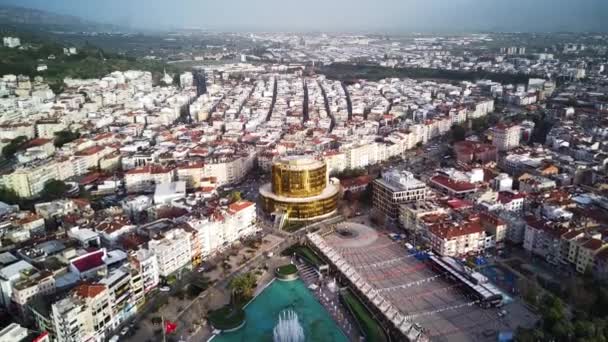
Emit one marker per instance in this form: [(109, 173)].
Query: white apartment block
[(11, 42), (506, 137), (123, 297), (146, 263), (33, 285), (29, 180), (173, 251), (457, 240), (544, 240), (72, 320), (230, 170), (225, 227)]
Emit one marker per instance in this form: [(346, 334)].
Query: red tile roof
[(89, 261), (507, 196), (453, 185), (238, 206), (90, 178), (355, 182), (195, 165), (139, 170), (90, 151), (593, 244), (37, 142), (457, 204), (450, 231), (89, 290), (486, 217)]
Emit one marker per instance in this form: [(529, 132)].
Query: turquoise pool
[(263, 312)]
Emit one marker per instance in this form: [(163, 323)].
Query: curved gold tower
[(299, 187)]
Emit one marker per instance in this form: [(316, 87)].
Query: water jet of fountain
[(288, 328)]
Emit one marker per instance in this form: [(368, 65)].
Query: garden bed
[(287, 272), (369, 327), (227, 318)]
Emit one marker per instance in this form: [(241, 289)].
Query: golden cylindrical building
[(299, 187)]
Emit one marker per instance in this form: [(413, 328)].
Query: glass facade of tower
[(298, 183), (302, 210), (299, 189)]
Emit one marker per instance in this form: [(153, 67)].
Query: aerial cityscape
[(177, 171)]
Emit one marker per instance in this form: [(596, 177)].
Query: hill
[(89, 62), (14, 18)]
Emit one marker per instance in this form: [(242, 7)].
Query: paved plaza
[(444, 309)]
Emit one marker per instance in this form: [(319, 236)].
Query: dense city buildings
[(445, 181)]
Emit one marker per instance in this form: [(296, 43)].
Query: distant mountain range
[(38, 20)]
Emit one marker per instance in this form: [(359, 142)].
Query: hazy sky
[(359, 15)]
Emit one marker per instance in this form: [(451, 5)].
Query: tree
[(9, 196), (243, 287), (235, 196), (458, 133), (9, 150), (479, 125), (54, 189), (349, 173), (64, 137)]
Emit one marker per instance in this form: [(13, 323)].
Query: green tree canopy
[(64, 137), (9, 150), (243, 286), (458, 133), (9, 196), (54, 189)]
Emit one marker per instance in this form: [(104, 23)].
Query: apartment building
[(146, 263), (543, 238), (506, 137), (448, 239), (395, 188), (124, 294), (191, 173), (225, 227), (172, 250), (28, 181)]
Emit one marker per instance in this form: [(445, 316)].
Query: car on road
[(165, 289), (124, 331)]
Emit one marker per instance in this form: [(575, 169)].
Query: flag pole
[(163, 327)]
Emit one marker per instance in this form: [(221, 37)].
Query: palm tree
[(243, 285)]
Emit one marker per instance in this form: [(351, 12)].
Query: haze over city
[(340, 15)]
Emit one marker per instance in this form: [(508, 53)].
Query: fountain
[(332, 286), (288, 328)]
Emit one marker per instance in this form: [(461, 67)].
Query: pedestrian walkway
[(327, 293)]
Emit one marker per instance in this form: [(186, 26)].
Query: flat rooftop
[(445, 309)]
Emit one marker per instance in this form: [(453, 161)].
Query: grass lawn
[(372, 330), (305, 253), (227, 317), (294, 226), (286, 270)]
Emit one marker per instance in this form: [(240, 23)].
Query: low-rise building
[(451, 187), (448, 239)]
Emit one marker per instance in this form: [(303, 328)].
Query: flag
[(170, 327), (41, 337)]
